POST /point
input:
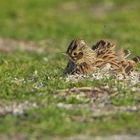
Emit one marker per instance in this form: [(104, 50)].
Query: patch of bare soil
[(97, 100), (98, 110), (113, 137), (75, 137), (16, 108), (13, 137), (88, 92), (8, 45)]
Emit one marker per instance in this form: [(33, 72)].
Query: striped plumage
[(80, 59), (105, 51), (84, 60), (129, 65)]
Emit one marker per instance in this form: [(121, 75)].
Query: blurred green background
[(34, 77), (63, 20)]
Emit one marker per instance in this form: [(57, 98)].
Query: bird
[(86, 60)]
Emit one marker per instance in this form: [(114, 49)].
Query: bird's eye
[(74, 53)]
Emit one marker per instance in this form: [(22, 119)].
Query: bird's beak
[(64, 54)]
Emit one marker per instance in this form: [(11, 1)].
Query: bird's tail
[(136, 59)]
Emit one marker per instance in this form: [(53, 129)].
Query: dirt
[(9, 45), (16, 108)]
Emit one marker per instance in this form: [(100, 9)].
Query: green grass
[(57, 22)]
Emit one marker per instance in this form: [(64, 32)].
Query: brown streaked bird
[(79, 52), (84, 60), (129, 65), (106, 49), (117, 58), (122, 64), (103, 46), (81, 58)]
